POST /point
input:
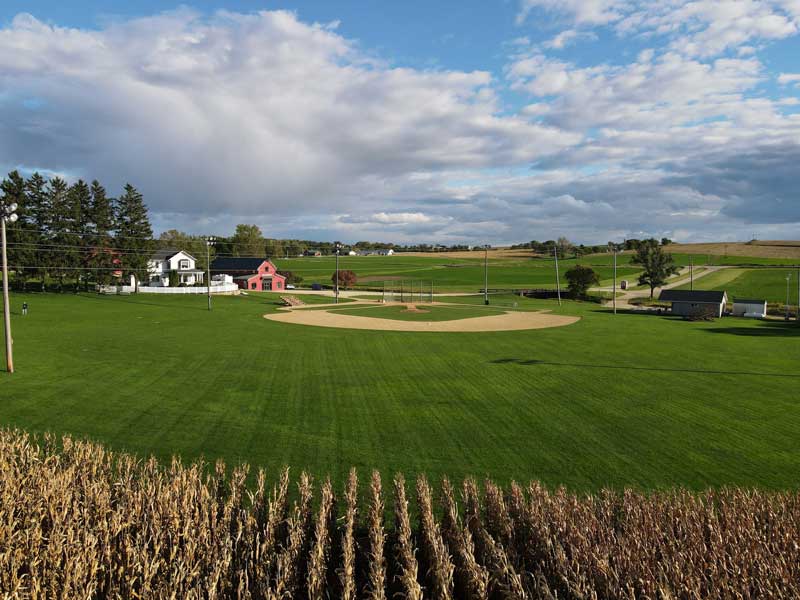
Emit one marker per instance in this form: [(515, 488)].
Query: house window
[(278, 284), (183, 264), (253, 285)]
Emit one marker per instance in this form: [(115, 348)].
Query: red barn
[(254, 274)]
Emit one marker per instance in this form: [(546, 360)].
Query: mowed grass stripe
[(626, 400)]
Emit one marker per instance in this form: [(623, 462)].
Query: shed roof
[(699, 296)]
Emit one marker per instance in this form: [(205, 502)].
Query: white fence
[(225, 288)]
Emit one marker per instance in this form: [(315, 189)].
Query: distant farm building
[(254, 274), (695, 303), (749, 307)]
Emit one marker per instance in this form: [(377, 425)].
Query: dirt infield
[(510, 321)]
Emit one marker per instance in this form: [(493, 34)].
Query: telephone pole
[(614, 295), (691, 273), (7, 215), (486, 274), (558, 281), (336, 283), (210, 241)]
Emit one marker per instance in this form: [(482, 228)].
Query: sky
[(438, 122)]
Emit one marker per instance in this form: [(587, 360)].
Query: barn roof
[(699, 296), (239, 263)]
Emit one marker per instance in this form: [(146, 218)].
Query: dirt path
[(683, 278), (509, 321)]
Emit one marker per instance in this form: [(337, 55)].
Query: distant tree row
[(75, 232), (567, 249)]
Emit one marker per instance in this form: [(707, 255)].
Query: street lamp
[(210, 241), (7, 215), (336, 282), (486, 274)]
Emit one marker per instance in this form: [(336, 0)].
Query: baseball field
[(605, 400)]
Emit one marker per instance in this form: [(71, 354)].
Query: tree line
[(75, 233)]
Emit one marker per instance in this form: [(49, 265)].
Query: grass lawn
[(427, 313), (466, 274), (448, 274), (608, 401), (769, 284)]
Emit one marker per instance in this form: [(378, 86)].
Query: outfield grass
[(609, 401), (467, 274), (769, 284), (446, 273)]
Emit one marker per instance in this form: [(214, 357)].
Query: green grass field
[(466, 274), (769, 284), (426, 313), (448, 274), (609, 401)]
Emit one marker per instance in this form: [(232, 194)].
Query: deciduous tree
[(580, 279), (657, 265)]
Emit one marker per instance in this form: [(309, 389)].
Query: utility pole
[(486, 274), (336, 283), (797, 318), (788, 277), (614, 295), (558, 281), (7, 215), (691, 273), (210, 241)]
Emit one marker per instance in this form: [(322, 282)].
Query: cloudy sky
[(473, 121)]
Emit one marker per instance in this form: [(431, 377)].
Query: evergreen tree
[(21, 248), (59, 232), (134, 233), (38, 206), (102, 221), (78, 208)]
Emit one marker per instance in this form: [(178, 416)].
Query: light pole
[(7, 215), (486, 274), (614, 292), (210, 241), (336, 282), (788, 278), (558, 281)]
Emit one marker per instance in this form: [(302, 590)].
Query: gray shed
[(694, 303), (749, 307)]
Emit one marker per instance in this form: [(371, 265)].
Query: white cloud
[(583, 12), (246, 114), (785, 78)]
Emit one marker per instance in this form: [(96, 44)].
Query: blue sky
[(416, 121)]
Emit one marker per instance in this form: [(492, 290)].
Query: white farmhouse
[(163, 262)]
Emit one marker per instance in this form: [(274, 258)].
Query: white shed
[(749, 307)]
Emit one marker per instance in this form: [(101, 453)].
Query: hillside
[(755, 248)]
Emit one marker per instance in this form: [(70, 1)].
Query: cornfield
[(78, 521)]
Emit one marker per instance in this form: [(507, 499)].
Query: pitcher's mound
[(509, 321)]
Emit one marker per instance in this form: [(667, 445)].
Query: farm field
[(769, 284), (602, 402), (466, 274)]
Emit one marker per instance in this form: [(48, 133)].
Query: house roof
[(749, 301), (699, 296), (168, 253), (240, 263)]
